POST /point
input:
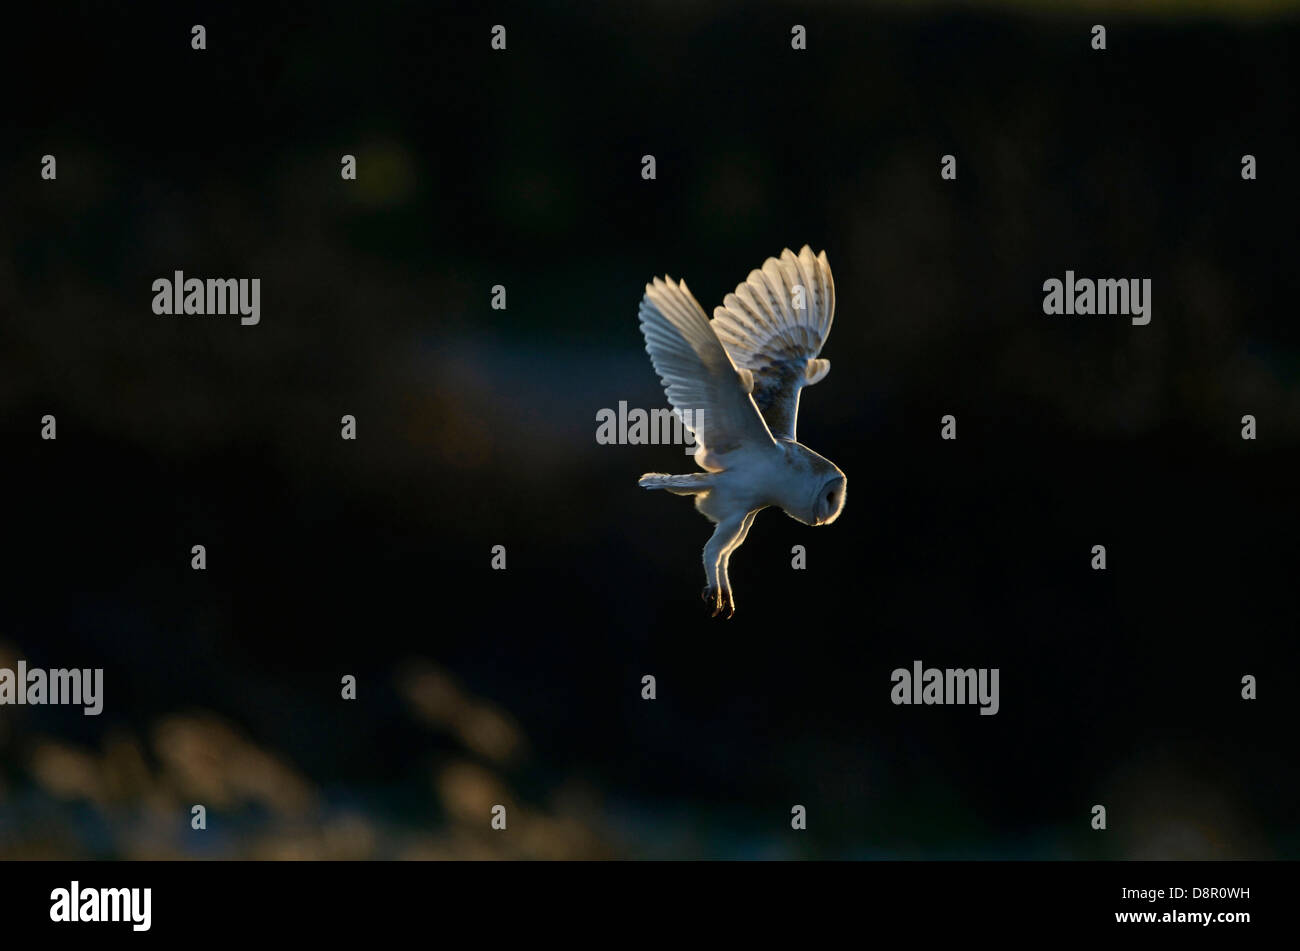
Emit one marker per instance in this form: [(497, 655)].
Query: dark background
[(477, 428)]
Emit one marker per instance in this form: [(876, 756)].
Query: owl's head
[(824, 503)]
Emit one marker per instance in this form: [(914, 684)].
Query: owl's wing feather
[(705, 388), (766, 331)]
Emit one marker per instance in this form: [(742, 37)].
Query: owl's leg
[(744, 531), (724, 564), (725, 537)]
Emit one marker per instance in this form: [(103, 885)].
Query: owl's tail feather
[(677, 484)]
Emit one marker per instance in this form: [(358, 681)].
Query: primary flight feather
[(735, 382)]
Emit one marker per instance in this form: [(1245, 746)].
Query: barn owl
[(735, 382)]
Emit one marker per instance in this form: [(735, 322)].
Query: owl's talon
[(726, 606), (715, 598), (722, 603)]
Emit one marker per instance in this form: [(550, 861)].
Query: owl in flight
[(735, 383)]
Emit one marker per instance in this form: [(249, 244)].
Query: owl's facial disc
[(830, 501)]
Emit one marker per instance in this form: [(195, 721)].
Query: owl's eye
[(830, 499)]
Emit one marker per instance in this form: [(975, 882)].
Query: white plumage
[(735, 381)]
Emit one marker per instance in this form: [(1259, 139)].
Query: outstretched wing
[(702, 384), (774, 326)]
